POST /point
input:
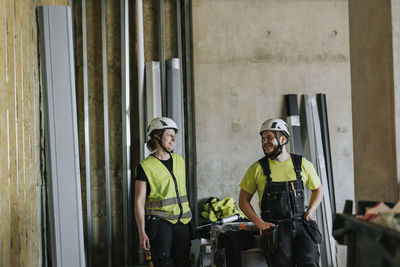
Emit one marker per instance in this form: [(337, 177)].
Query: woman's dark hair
[(152, 142)]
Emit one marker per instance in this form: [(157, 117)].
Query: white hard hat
[(160, 124), (275, 125)]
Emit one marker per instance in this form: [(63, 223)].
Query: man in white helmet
[(162, 209), (290, 234)]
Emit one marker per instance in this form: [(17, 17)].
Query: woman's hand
[(144, 241), (140, 200)]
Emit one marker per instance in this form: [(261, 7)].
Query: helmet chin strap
[(160, 143), (274, 154)]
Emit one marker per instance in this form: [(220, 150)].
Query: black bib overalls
[(282, 203)]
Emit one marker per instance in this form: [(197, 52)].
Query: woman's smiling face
[(168, 139)]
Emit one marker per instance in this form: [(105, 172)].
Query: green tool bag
[(214, 209)]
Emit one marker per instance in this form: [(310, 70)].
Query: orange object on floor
[(148, 257)]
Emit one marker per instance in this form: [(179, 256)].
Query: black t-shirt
[(141, 175)]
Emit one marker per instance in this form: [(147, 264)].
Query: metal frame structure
[(185, 82), (126, 133), (309, 149), (161, 52), (175, 102), (188, 94), (293, 121), (323, 117), (141, 71), (153, 95), (88, 174), (324, 213), (106, 130), (140, 89), (153, 91)]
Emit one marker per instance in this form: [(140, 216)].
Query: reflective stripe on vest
[(167, 199), (166, 202), (169, 216)]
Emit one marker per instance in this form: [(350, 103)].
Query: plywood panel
[(20, 137)]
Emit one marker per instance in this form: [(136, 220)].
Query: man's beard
[(273, 153)]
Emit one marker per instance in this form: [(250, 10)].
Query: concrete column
[(373, 106)]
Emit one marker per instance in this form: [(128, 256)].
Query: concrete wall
[(247, 55), (21, 185), (372, 77)]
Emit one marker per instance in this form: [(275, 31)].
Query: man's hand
[(309, 215), (315, 200), (247, 208), (264, 226)]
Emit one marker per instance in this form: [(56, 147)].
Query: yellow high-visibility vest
[(168, 198)]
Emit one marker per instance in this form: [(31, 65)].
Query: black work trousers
[(297, 247), (170, 244), (235, 242)]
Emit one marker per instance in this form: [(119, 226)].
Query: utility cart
[(368, 244)]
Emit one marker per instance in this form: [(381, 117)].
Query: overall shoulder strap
[(296, 159), (265, 166)]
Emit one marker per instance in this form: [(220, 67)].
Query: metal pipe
[(179, 31), (141, 65), (5, 40), (126, 132), (161, 51), (175, 102), (106, 130), (189, 106), (179, 34), (87, 136), (321, 169), (141, 69), (180, 55), (153, 91)]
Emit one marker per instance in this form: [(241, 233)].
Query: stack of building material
[(315, 153), (317, 150)]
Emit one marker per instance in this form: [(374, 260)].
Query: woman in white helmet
[(161, 204)]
